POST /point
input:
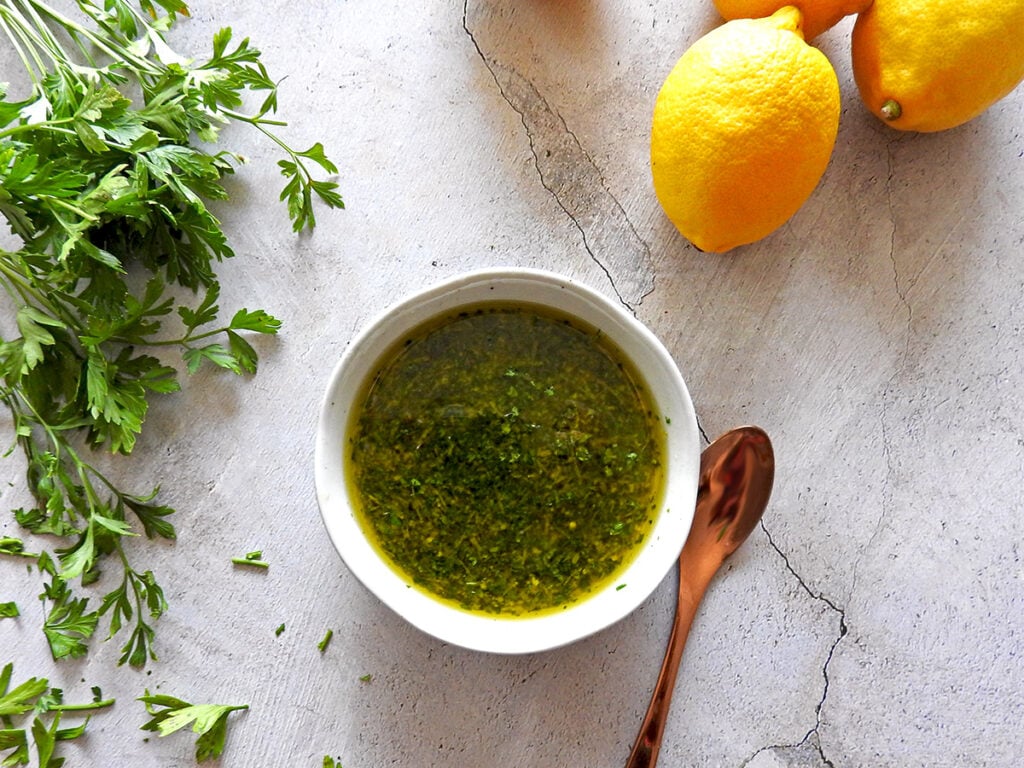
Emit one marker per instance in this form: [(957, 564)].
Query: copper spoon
[(736, 475)]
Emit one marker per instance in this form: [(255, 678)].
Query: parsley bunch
[(107, 169)]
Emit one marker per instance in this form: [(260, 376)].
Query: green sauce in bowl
[(506, 460)]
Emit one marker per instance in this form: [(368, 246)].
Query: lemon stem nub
[(891, 110)]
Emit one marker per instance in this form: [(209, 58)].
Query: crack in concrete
[(900, 290), (800, 754), (703, 434), (568, 173), (809, 747), (890, 384), (806, 754)]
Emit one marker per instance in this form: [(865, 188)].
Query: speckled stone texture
[(877, 616)]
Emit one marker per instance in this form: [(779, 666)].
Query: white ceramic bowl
[(495, 634)]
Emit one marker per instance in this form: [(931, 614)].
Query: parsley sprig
[(45, 705), (107, 171), (210, 721)]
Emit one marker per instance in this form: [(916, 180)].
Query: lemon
[(929, 65), (819, 15), (743, 129)]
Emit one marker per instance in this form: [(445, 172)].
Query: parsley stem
[(82, 707), (84, 468), (63, 451), (23, 32), (13, 547), (104, 44), (21, 51), (25, 286), (56, 201), (256, 122), (247, 561), (26, 555), (183, 341), (49, 125), (47, 39), (322, 645), (37, 34)]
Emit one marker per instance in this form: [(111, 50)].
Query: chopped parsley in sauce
[(506, 460)]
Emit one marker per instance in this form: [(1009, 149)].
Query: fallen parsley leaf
[(332, 762), (67, 626), (210, 721), (107, 169), (279, 631), (9, 610), (22, 698)]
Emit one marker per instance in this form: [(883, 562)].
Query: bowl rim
[(510, 635)]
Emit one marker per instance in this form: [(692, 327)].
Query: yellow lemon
[(819, 15), (929, 65), (743, 129)]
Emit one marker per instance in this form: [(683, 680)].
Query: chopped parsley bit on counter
[(9, 610), (365, 678), (332, 762), (15, 548), (322, 645), (278, 631), (254, 559)]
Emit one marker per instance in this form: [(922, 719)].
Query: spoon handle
[(648, 740)]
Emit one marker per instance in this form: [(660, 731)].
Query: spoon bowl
[(736, 475)]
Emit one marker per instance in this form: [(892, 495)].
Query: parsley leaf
[(68, 626), (22, 698), (210, 721)]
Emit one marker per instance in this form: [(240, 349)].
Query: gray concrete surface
[(876, 618)]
